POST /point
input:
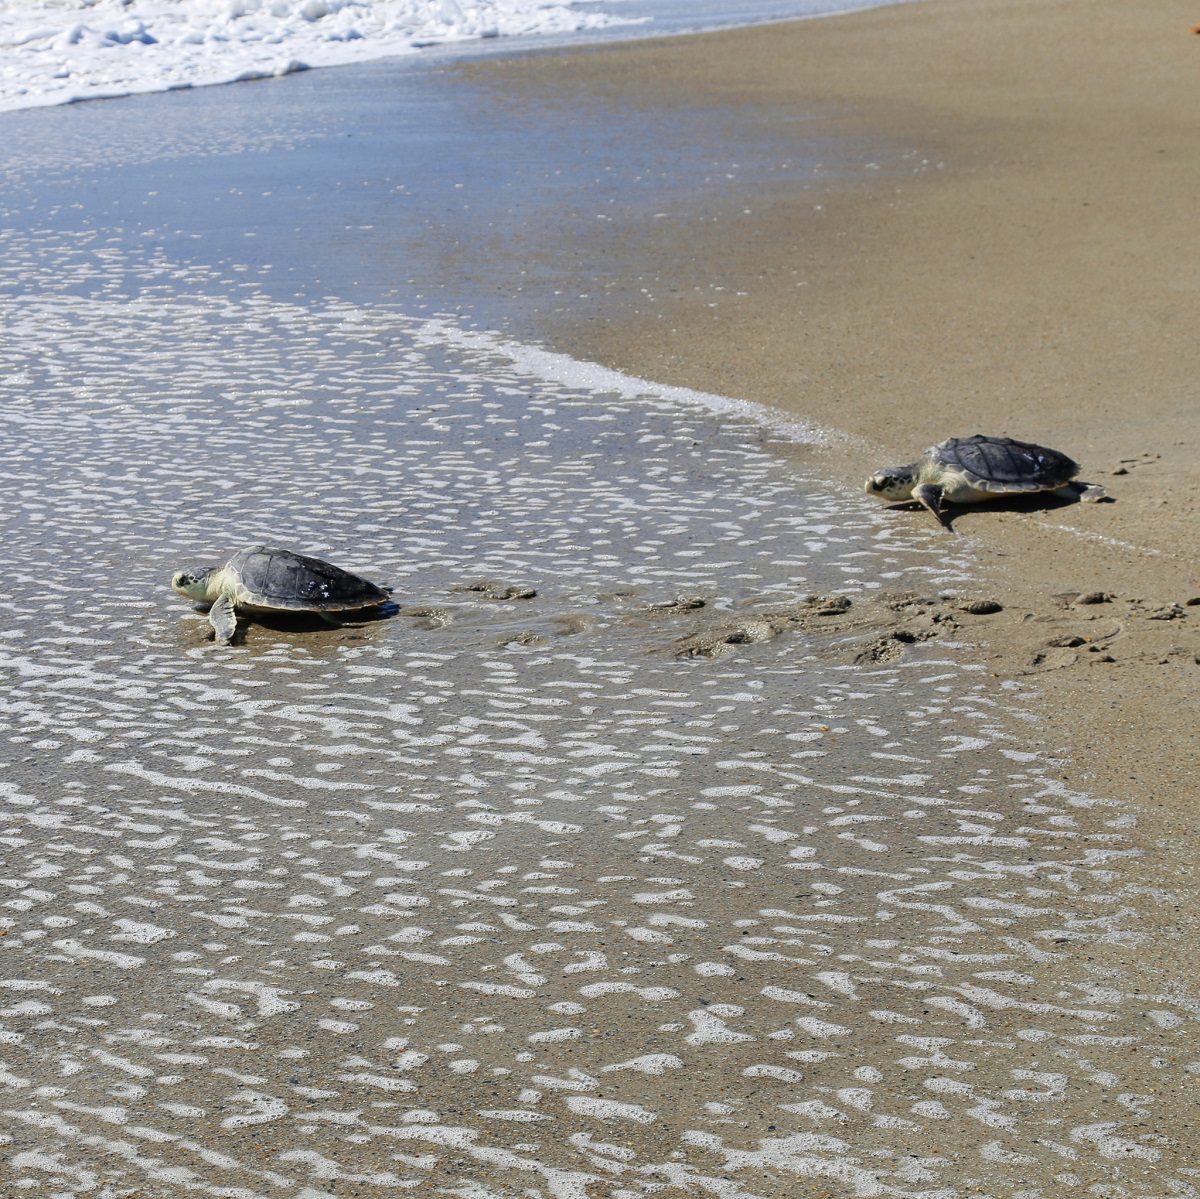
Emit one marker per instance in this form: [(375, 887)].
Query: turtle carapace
[(970, 470), (259, 579)]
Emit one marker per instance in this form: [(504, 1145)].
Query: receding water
[(499, 896)]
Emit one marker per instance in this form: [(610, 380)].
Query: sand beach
[(686, 827)]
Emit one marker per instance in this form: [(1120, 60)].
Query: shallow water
[(389, 183), (501, 897)]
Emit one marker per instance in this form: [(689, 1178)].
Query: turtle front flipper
[(223, 618), (930, 495)]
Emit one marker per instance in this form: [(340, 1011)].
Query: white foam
[(609, 1109), (598, 899), (61, 51), (591, 377)]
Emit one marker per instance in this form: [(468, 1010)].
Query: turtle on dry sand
[(259, 579), (970, 470)]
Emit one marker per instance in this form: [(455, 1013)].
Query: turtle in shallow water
[(969, 470), (259, 579)]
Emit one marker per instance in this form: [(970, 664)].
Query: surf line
[(553, 367)]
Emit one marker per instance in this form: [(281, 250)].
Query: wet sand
[(605, 867), (670, 839), (1010, 256)]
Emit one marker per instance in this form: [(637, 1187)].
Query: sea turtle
[(969, 470), (259, 579)]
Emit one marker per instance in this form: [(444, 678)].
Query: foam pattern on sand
[(496, 897)]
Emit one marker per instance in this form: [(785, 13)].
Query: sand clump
[(496, 589)]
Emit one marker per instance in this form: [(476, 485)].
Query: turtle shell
[(274, 578), (1001, 464)]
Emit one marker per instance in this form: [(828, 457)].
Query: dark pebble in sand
[(832, 605), (1194, 602), (1067, 641), (681, 603), (981, 607), (749, 632), (1094, 597)]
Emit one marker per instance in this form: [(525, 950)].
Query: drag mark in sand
[(519, 903)]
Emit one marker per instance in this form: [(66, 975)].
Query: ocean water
[(64, 51), (507, 894)]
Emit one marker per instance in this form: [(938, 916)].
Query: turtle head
[(201, 584), (892, 484)]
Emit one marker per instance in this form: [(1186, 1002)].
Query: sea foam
[(61, 51)]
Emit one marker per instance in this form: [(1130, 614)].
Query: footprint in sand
[(429, 617), (1053, 657), (812, 612), (715, 643), (681, 603), (495, 589), (527, 637), (571, 623), (566, 624), (889, 646)]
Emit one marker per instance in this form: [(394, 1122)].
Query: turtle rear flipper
[(223, 618)]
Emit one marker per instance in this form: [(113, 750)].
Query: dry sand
[(1021, 265)]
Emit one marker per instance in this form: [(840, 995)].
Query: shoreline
[(1010, 279), (600, 865)]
